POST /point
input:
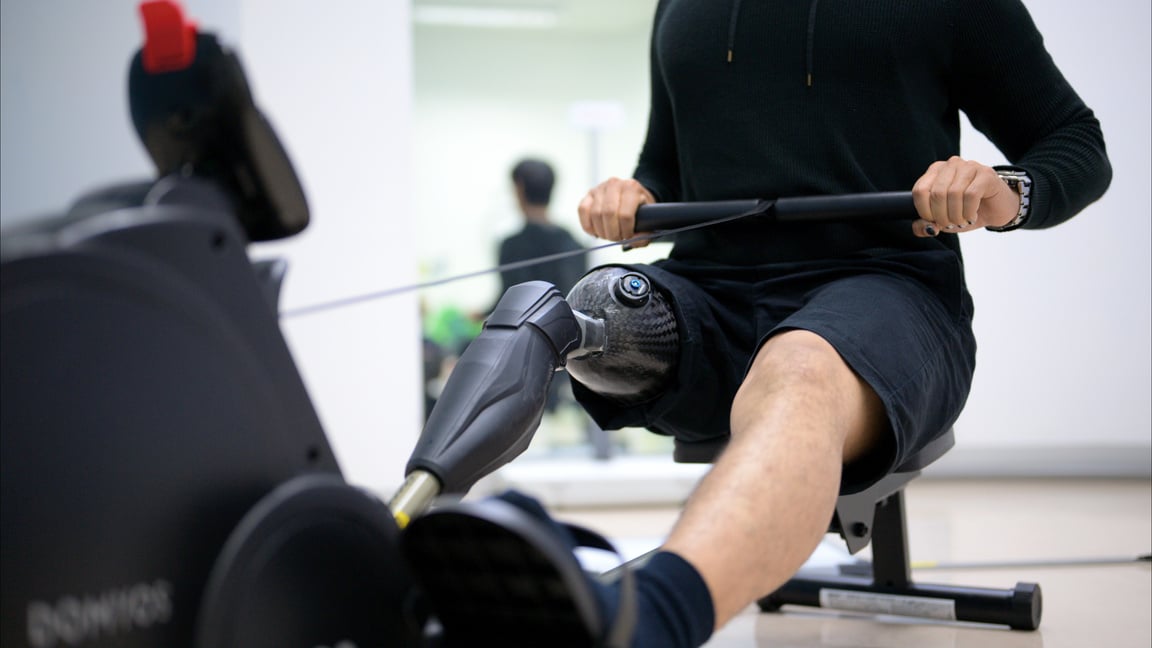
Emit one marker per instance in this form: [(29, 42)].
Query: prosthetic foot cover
[(641, 339), (500, 572)]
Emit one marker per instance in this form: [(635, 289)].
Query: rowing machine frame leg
[(889, 588)]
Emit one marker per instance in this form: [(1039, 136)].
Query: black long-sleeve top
[(772, 98)]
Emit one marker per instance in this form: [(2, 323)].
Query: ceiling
[(560, 16)]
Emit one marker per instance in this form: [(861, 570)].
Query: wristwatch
[(1021, 183)]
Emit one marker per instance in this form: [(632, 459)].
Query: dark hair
[(537, 178)]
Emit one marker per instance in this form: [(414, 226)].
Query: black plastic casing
[(494, 400), (149, 401)]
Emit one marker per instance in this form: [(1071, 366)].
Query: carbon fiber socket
[(632, 290), (641, 344)]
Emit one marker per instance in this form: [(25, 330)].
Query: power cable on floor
[(1052, 562)]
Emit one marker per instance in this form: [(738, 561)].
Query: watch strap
[(1021, 184)]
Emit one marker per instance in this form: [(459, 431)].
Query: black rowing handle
[(885, 206)]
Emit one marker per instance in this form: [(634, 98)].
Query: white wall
[(64, 119), (336, 86), (1063, 316), (336, 82)]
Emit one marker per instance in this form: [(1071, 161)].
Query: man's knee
[(804, 370), (799, 358)]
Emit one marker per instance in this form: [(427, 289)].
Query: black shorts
[(901, 320)]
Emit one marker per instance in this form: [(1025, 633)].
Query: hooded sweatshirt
[(778, 98)]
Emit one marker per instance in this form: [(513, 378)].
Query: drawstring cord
[(734, 18), (811, 38)]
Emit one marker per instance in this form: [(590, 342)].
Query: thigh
[(916, 354), (800, 373)]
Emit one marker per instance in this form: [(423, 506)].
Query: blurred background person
[(532, 183), (532, 180)]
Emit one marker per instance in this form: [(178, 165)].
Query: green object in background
[(451, 328)]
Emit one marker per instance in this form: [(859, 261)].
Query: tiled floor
[(982, 522)]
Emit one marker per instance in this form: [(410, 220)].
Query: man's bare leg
[(766, 504)]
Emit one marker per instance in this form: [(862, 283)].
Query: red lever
[(169, 37)]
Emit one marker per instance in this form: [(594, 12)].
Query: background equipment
[(165, 480)]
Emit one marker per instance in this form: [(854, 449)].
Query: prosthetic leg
[(614, 333)]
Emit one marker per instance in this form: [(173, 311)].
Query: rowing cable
[(399, 290)]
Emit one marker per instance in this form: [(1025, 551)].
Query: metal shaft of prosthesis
[(414, 497)]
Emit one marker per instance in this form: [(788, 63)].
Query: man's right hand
[(608, 211)]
